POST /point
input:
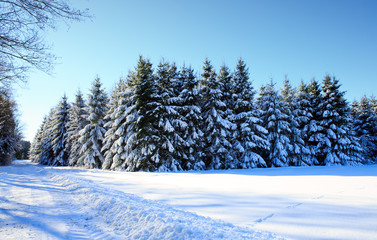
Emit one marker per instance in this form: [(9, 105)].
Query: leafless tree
[(22, 24)]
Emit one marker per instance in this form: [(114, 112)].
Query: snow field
[(296, 202), (43, 203), (137, 218)]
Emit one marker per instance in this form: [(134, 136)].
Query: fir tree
[(170, 123), (313, 130), (365, 127), (249, 137), (9, 132), (338, 144), (113, 124), (299, 154), (46, 152), (76, 123), (192, 150), (274, 116), (142, 138), (306, 124), (226, 88), (59, 134), (215, 126), (35, 148), (92, 134)]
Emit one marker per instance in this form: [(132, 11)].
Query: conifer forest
[(168, 118)]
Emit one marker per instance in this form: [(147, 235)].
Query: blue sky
[(300, 39)]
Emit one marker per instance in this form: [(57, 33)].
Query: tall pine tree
[(192, 150), (142, 137), (215, 126), (93, 133), (365, 127), (338, 144), (59, 142), (249, 137), (76, 123), (274, 116)]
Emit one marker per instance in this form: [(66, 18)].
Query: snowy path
[(51, 203), (34, 206)]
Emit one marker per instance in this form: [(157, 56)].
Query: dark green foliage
[(22, 151), (9, 132)]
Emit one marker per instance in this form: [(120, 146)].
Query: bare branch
[(22, 23)]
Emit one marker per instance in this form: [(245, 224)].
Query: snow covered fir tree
[(170, 119), (92, 134), (9, 128)]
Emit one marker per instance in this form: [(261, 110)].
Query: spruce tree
[(192, 150), (338, 144), (46, 151), (365, 127), (249, 137), (9, 134), (298, 118), (59, 139), (274, 116), (214, 126), (76, 123), (113, 121), (170, 123), (142, 137), (35, 148), (93, 133), (313, 130), (306, 124), (227, 88)]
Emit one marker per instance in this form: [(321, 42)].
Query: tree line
[(169, 119)]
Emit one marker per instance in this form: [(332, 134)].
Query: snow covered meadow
[(39, 202)]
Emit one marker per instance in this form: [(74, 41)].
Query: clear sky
[(301, 39)]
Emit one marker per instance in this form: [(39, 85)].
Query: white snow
[(334, 202), (39, 202)]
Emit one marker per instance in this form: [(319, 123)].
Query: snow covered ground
[(295, 202), (39, 202)]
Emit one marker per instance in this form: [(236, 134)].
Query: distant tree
[(42, 151), (22, 23), (22, 152), (76, 123), (93, 133)]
